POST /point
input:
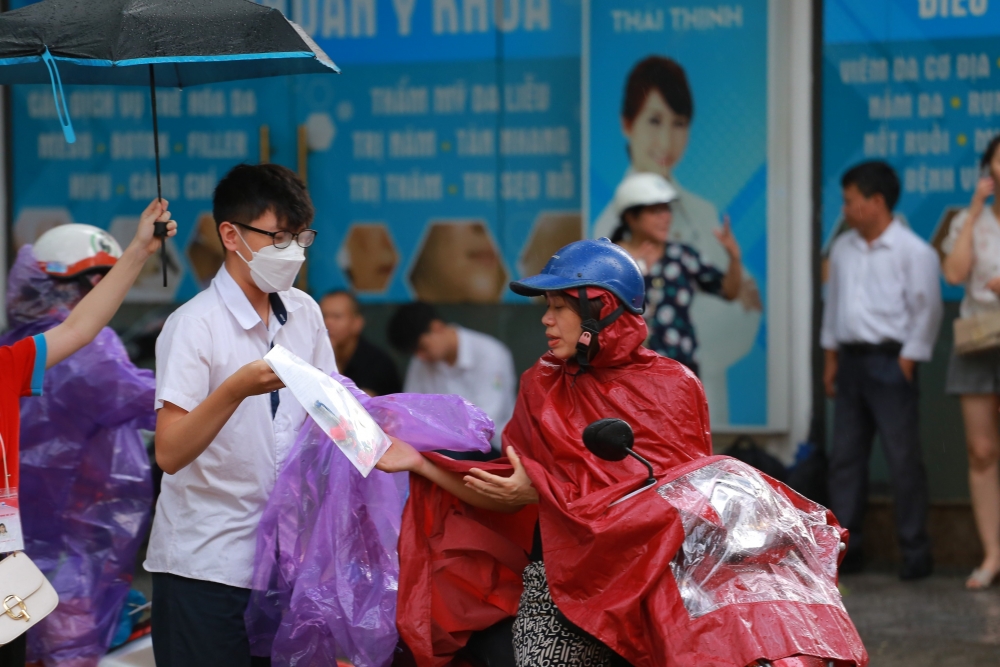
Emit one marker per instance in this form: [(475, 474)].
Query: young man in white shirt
[(881, 318), (449, 359), (225, 423)]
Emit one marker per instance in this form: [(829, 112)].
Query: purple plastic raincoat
[(326, 569), (86, 488)]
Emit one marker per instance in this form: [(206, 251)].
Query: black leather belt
[(888, 348)]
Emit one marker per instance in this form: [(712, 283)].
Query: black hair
[(991, 149), (249, 191), (355, 305), (408, 324), (666, 77), (622, 229), (871, 178)]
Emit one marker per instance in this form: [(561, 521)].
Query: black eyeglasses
[(282, 239)]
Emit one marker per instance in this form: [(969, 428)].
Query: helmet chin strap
[(591, 328)]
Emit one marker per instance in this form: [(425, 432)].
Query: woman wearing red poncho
[(465, 539), (539, 537)]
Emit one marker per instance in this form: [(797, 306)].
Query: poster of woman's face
[(657, 136)]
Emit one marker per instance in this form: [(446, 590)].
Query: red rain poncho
[(608, 569), (461, 567)]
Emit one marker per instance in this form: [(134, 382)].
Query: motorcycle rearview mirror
[(612, 439), (609, 439)]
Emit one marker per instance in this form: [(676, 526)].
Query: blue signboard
[(455, 162), (108, 176), (917, 84), (712, 62), (443, 162)]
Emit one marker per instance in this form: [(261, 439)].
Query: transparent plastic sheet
[(744, 542), (326, 568), (85, 475), (332, 407)]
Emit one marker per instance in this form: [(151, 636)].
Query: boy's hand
[(144, 240), (254, 379)]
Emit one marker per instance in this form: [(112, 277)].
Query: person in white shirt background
[(225, 423), (657, 111), (972, 259), (881, 317), (449, 359)]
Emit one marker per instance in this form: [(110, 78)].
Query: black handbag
[(746, 449)]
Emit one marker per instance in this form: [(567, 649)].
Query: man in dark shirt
[(371, 369)]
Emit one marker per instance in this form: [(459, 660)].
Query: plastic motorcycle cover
[(326, 569), (85, 474), (757, 555)]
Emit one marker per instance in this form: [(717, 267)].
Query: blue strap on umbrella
[(62, 111), (59, 96)]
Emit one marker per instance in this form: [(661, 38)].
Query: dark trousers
[(200, 624), (14, 653), (873, 396)]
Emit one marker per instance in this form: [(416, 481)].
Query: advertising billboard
[(683, 92)]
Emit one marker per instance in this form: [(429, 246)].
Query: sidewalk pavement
[(930, 623)]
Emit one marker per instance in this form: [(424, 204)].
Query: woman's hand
[(984, 188), (144, 241), (400, 457), (994, 285), (728, 240), (732, 281), (513, 491)]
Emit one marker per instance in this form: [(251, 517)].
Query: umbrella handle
[(160, 232), (159, 228)]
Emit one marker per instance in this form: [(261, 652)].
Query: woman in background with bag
[(972, 259)]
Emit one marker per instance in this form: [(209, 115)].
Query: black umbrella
[(174, 43)]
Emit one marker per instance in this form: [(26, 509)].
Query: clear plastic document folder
[(333, 408)]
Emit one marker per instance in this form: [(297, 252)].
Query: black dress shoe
[(916, 568)]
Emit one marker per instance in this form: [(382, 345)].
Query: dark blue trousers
[(200, 624), (873, 396)]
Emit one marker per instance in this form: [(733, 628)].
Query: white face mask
[(274, 269)]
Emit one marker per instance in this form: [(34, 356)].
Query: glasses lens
[(306, 237), (282, 239)]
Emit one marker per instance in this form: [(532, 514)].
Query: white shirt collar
[(239, 305), (886, 239)]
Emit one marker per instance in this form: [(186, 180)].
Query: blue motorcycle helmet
[(583, 264)]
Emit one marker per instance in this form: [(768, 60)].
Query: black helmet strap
[(591, 328)]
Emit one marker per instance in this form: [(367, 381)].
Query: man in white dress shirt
[(449, 359), (881, 318), (225, 423)]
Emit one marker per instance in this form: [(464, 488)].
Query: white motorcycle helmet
[(644, 189), (73, 250)]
